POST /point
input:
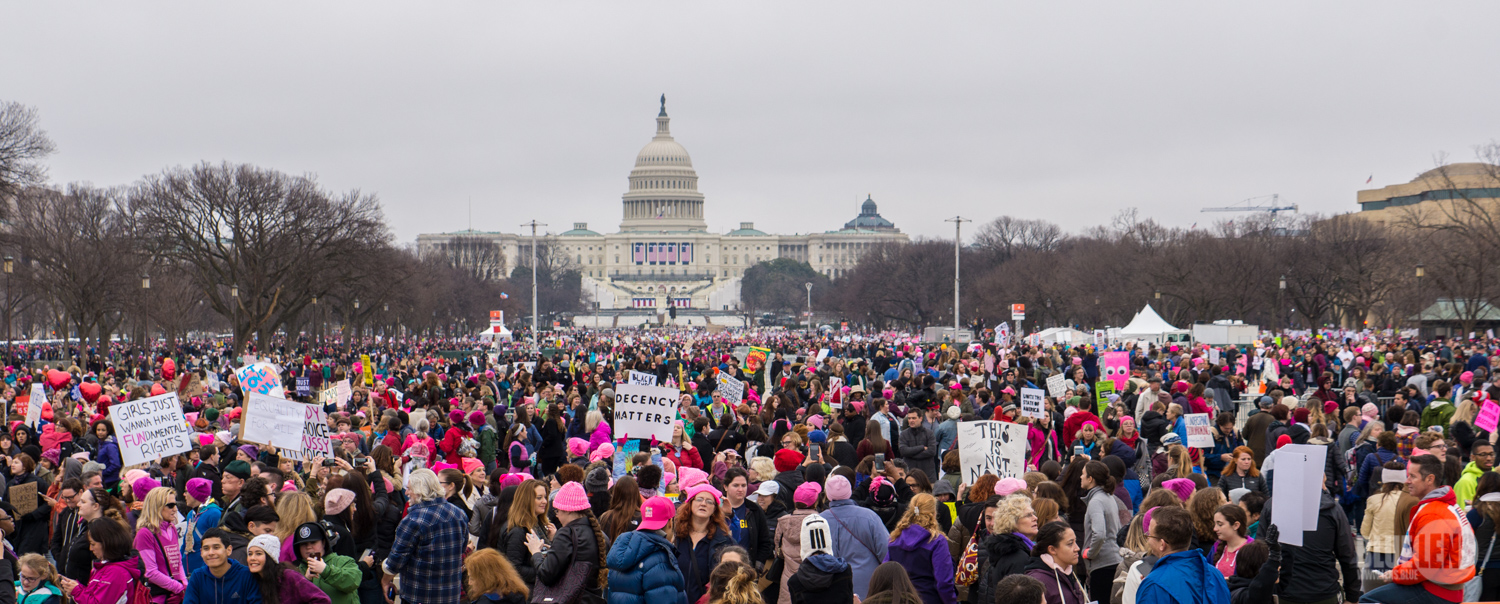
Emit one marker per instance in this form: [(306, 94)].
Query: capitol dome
[(663, 193)]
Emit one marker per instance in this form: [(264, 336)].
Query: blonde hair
[(1464, 412), (1178, 456), (156, 501), (734, 583), (1010, 511), (295, 509), (591, 420), (491, 573), (765, 469), (922, 511), (36, 562)]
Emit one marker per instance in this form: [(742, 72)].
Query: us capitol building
[(664, 255)]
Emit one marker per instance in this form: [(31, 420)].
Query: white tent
[(1064, 335), (495, 333), (1147, 325)]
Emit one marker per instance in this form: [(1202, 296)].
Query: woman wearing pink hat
[(580, 541), (701, 532), (643, 567)]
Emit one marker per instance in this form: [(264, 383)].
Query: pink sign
[(1489, 415)]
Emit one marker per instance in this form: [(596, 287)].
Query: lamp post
[(234, 307), (145, 318), (1280, 294), (10, 267), (533, 224), (958, 223), (317, 322), (1421, 272), (808, 285)]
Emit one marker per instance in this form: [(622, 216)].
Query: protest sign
[(731, 389), (645, 411), (1056, 387), (369, 369), (1199, 431), (297, 430), (756, 359), (34, 405), (1489, 416), (23, 497), (1213, 356), (642, 379), (1033, 402), (343, 392), (1298, 484), (150, 428), (261, 377), (822, 354), (991, 447), (623, 461), (1101, 396), (304, 386)]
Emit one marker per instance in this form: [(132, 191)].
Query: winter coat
[(109, 455), (822, 579), (789, 547), (643, 569), (1468, 481), (1153, 427), (1310, 573), (1370, 470), (453, 439), (340, 579), (296, 589), (1186, 577), (1100, 524), (109, 582), (1382, 528), (1255, 434), (755, 532), (45, 593), (697, 561), (600, 436), (919, 449), (1232, 481), (859, 537), (574, 543), (515, 550), (1437, 414), (237, 586), (31, 528), (682, 457), (1058, 587), (1008, 555), (927, 562), (160, 571)]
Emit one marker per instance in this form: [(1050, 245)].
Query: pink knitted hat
[(571, 498), (694, 492)]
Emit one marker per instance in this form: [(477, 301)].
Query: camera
[(330, 463), (361, 461)]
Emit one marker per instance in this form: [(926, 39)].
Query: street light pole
[(10, 267), (958, 222), (1280, 293), (808, 285), (533, 224), (234, 307)]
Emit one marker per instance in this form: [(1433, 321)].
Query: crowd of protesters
[(489, 476)]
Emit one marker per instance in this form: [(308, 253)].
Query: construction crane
[(1249, 205)]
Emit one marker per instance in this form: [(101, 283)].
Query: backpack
[(140, 589)]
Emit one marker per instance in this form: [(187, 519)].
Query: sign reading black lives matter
[(150, 428), (991, 447), (645, 411)]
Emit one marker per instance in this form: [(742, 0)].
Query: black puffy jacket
[(574, 543), (1008, 555)]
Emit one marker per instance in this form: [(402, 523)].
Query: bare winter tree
[(279, 238), (23, 144), (1006, 236), (482, 258), (1458, 232)]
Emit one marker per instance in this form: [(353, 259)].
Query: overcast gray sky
[(792, 111)]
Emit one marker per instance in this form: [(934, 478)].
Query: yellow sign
[(364, 360)]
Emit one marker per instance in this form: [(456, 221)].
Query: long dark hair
[(361, 519), (624, 502), (501, 517), (270, 577)]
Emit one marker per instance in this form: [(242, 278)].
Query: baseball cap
[(656, 512)]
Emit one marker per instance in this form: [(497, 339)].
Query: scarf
[(1130, 440)]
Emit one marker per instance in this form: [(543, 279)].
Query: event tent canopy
[(1147, 325)]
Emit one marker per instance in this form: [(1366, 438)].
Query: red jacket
[(453, 438), (1439, 549), (681, 457)]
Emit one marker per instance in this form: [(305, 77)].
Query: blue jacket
[(237, 586), (109, 455), (643, 569), (207, 516), (859, 537), (1185, 577)]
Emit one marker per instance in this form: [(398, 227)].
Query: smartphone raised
[(879, 459)]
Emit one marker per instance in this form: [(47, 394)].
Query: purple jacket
[(168, 574), (296, 589), (108, 584), (928, 562)]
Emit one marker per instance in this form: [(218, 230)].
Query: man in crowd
[(1182, 575), (67, 526), (919, 445), (338, 576), (1437, 555), (1311, 573), (429, 546), (1482, 454), (221, 580)]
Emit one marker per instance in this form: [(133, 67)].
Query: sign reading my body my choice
[(645, 411)]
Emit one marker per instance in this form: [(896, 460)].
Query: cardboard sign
[(150, 428), (297, 430), (1002, 335), (23, 497), (1033, 403), (731, 389), (991, 447), (642, 379), (1489, 416), (1199, 430), (645, 412), (1056, 386), (260, 378), (1104, 388)]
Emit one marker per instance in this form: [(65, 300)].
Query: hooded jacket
[(859, 537), (822, 579), (108, 584), (1008, 555), (237, 586), (1101, 522), (643, 569), (1437, 518), (1311, 573), (1437, 414), (1060, 587), (928, 563), (1186, 577), (1463, 491)]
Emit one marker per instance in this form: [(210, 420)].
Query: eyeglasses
[(1488, 454)]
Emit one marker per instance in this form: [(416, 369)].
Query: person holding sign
[(31, 513)]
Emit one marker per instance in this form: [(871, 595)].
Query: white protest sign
[(150, 428), (1055, 386), (1298, 486), (1033, 402), (642, 379), (1199, 431), (299, 431), (731, 389), (1213, 356), (34, 404), (645, 411), (260, 378), (342, 392), (991, 447), (822, 354)]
